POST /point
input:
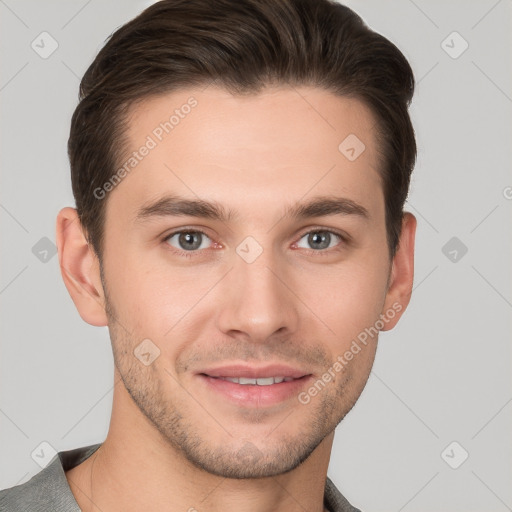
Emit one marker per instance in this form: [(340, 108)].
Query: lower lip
[(254, 395)]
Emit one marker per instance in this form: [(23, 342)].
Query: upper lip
[(254, 372)]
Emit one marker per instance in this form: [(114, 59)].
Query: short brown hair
[(243, 46)]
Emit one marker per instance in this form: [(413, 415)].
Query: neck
[(136, 469)]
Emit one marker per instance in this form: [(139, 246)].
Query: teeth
[(245, 380), (263, 381)]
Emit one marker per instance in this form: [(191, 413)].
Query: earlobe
[(80, 268), (402, 274)]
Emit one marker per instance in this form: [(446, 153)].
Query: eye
[(188, 240), (320, 239)]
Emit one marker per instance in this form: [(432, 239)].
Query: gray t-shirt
[(49, 491)]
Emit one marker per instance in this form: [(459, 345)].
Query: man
[(240, 170)]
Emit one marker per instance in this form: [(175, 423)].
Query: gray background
[(442, 375)]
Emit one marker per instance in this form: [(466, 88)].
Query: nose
[(257, 300)]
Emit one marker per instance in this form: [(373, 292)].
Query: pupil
[(321, 241), (190, 240)]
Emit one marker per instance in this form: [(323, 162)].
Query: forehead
[(281, 143)]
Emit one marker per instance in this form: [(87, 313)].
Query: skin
[(173, 443)]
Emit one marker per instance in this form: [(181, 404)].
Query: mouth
[(250, 386), (258, 381)]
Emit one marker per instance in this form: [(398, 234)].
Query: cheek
[(348, 298), (156, 300)]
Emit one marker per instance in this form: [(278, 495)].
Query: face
[(245, 244)]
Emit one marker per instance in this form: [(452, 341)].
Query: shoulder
[(41, 493), (48, 490), (335, 501)]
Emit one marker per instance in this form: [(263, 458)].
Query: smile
[(259, 381)]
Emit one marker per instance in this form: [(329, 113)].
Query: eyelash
[(190, 254)]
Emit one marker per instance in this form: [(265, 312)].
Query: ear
[(80, 268), (402, 273)]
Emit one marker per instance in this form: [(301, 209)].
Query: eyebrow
[(176, 206)]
